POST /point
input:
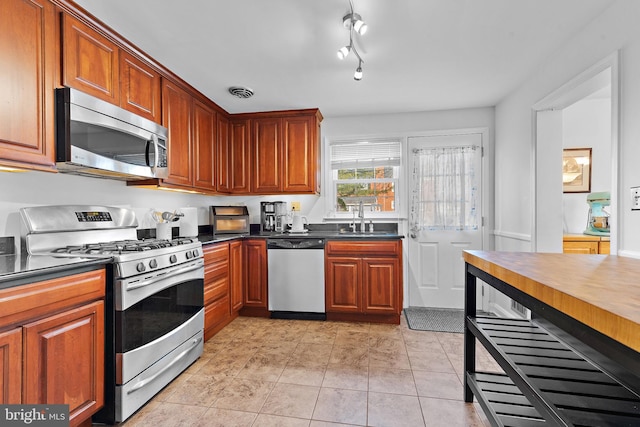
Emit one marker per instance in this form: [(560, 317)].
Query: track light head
[(360, 27), (353, 20), (357, 76), (343, 52)]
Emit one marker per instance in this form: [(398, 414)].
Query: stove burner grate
[(123, 246)]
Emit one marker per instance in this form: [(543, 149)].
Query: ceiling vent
[(241, 91)]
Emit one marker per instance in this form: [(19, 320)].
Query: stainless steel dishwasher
[(296, 278)]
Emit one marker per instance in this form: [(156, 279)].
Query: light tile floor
[(263, 372)]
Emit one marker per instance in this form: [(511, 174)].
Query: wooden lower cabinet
[(10, 366), (585, 244), (363, 281), (217, 311), (222, 285), (52, 343), (236, 271), (255, 280), (64, 360)]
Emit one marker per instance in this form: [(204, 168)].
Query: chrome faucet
[(361, 216)]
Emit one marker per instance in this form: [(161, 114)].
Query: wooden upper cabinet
[(91, 62), (29, 60), (176, 116), (300, 147), (139, 87), (239, 158), (223, 148), (204, 144), (285, 153), (266, 150)]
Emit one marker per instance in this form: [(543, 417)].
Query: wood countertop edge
[(603, 319), (584, 238)]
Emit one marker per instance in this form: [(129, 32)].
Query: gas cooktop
[(122, 246)]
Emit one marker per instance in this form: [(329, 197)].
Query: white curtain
[(444, 189)]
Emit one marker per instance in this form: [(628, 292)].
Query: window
[(365, 172)]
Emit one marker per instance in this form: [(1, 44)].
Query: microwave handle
[(154, 140)]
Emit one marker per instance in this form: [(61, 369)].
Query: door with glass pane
[(445, 216)]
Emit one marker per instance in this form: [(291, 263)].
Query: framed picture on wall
[(576, 170)]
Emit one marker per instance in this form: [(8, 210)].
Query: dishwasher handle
[(295, 243)]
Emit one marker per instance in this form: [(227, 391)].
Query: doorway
[(551, 207), (445, 208)]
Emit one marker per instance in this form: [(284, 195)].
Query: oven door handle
[(181, 270), (138, 386)]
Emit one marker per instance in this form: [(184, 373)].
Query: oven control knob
[(189, 255), (195, 253), (140, 267), (173, 259), (153, 263)]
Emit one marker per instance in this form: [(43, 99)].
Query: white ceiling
[(419, 55)]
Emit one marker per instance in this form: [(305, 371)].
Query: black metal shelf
[(544, 380)]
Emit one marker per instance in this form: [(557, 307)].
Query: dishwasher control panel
[(295, 243)]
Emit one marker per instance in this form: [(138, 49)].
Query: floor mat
[(435, 319)]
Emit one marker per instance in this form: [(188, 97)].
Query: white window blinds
[(365, 154)]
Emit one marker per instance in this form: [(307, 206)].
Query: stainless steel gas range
[(154, 297)]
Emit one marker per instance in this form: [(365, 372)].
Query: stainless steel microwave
[(99, 139)]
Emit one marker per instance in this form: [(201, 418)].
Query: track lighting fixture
[(353, 22)]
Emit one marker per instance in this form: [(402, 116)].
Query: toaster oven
[(230, 220)]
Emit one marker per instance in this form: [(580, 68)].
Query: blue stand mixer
[(598, 220)]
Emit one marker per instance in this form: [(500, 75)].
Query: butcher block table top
[(601, 291)]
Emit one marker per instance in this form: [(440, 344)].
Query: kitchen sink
[(366, 233)]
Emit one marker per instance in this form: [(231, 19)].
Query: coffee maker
[(273, 216)]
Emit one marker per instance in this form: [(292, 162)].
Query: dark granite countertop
[(19, 269), (386, 231)]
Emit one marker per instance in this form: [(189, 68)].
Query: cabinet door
[(176, 116), (28, 56), (342, 285), (204, 143), (380, 283), (10, 364), (236, 268), (300, 151), (255, 283), (139, 87), (223, 150), (90, 61), (266, 150), (239, 156), (64, 360), (215, 315), (578, 247)]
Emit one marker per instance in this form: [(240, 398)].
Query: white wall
[(615, 29), (587, 124), (40, 188)]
